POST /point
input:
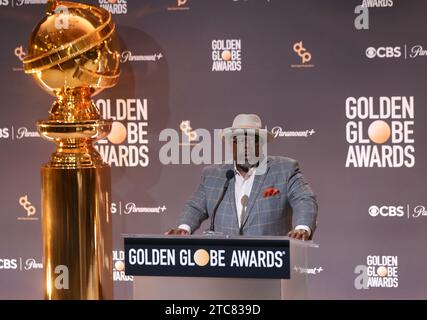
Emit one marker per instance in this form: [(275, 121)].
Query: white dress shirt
[(242, 188)]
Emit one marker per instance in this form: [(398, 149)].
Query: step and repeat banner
[(341, 84)]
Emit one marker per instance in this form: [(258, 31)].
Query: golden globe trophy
[(73, 55)]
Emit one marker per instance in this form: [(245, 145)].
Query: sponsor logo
[(4, 133), (303, 54), (379, 272), (227, 55), (20, 133), (128, 208), (398, 211), (24, 2), (23, 132), (20, 54), (189, 132), (417, 51), (28, 207), (114, 6), (419, 211), (380, 132), (386, 211), (31, 263), (179, 6), (127, 143), (308, 270), (395, 52), (383, 52), (20, 264), (119, 267), (127, 56), (279, 132), (8, 264), (19, 3)]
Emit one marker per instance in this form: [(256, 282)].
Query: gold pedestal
[(77, 233)]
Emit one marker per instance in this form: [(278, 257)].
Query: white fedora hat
[(244, 122)]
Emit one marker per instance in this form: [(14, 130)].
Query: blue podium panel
[(207, 257)]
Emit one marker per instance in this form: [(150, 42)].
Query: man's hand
[(298, 234), (178, 231)]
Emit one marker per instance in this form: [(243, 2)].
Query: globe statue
[(73, 54)]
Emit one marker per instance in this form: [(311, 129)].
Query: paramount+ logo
[(207, 257)]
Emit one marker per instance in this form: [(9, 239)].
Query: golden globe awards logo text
[(380, 132), (127, 143), (379, 272), (114, 6), (203, 257), (227, 55)]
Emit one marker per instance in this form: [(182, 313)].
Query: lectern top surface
[(294, 242)]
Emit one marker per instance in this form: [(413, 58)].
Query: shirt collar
[(248, 174)]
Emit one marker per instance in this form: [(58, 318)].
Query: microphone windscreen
[(229, 174)]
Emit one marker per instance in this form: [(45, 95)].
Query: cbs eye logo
[(383, 52), (386, 211)]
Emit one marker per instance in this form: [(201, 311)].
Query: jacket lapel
[(232, 198), (256, 188)]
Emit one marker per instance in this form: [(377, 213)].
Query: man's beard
[(247, 165), (247, 158)]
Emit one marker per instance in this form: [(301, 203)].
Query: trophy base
[(77, 233)]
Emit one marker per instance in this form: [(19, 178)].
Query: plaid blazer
[(295, 204)]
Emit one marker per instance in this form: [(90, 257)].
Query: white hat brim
[(238, 131)]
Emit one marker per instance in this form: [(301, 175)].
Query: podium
[(274, 267)]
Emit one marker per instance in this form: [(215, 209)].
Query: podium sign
[(225, 257)]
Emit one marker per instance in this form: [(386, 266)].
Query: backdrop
[(341, 86)]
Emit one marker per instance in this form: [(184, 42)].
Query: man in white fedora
[(256, 194)]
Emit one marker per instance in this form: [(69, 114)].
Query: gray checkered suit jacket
[(276, 215)]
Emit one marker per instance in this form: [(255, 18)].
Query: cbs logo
[(4, 133), (8, 264), (386, 211), (383, 52)]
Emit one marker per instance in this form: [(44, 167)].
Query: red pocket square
[(270, 192)]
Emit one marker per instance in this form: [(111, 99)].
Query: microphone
[(229, 175)]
